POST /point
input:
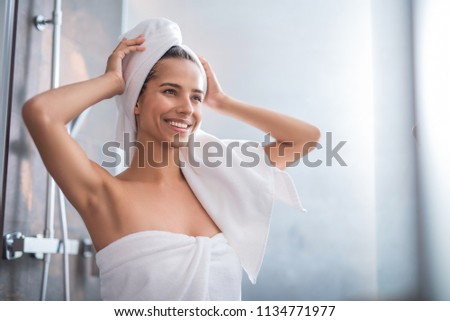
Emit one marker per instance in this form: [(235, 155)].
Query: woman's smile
[(181, 126)]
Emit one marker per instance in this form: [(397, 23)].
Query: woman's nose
[(185, 106)]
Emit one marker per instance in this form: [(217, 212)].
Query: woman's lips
[(179, 125)]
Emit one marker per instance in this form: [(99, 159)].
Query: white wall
[(313, 60), (433, 99), (395, 166)]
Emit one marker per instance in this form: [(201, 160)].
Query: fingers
[(205, 63), (210, 75), (214, 91), (129, 45), (125, 47), (206, 66)]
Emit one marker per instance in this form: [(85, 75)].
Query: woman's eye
[(198, 98), (169, 91)]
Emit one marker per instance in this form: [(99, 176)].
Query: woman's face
[(171, 102)]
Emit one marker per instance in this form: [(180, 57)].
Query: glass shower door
[(7, 12)]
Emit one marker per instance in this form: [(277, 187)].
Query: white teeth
[(179, 125)]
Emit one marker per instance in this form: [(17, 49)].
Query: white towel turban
[(239, 199), (160, 35)]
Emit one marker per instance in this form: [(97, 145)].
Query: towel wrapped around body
[(159, 265)]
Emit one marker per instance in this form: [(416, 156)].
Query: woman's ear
[(136, 109)]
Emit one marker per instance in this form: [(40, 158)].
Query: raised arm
[(294, 137), (46, 115)]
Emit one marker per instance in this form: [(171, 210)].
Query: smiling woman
[(171, 100), (179, 231)]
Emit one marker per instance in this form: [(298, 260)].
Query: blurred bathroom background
[(364, 71)]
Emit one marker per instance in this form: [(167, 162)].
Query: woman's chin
[(180, 140)]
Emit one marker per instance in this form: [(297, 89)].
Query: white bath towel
[(158, 265), (239, 194)]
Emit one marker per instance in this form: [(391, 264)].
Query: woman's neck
[(155, 163)]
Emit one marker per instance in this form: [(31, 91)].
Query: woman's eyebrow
[(179, 87), (170, 84)]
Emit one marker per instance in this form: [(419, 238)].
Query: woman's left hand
[(215, 97), (288, 131)]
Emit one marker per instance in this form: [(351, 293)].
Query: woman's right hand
[(114, 64)]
